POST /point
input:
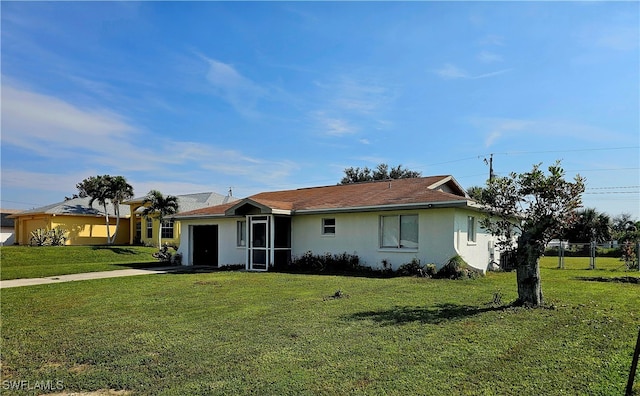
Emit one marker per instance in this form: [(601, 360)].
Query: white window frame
[(397, 228), (168, 229), (471, 229), (241, 233), (149, 227), (327, 228)]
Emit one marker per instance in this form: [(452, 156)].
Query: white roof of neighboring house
[(5, 220), (76, 207), (189, 202)]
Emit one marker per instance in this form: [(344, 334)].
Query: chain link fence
[(628, 253)]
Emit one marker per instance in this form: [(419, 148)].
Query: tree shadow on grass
[(197, 269), (141, 265), (115, 249), (436, 314), (618, 279), (354, 274)]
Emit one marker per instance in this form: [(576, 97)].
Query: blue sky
[(204, 96)]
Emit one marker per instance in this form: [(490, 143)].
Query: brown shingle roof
[(350, 196), (208, 211)]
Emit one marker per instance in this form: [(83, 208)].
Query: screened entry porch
[(269, 241)]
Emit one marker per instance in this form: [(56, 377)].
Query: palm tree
[(590, 225), (106, 189), (120, 191), (158, 206), (624, 228)]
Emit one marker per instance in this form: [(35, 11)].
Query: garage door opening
[(205, 245)]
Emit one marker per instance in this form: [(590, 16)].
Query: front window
[(399, 231), (167, 229), (241, 233), (328, 226), (149, 228), (471, 229)]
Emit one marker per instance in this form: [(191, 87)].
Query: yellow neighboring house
[(85, 225), (144, 230)]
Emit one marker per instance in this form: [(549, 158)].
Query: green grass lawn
[(35, 262), (283, 334)]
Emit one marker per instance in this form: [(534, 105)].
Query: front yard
[(36, 262), (278, 334)]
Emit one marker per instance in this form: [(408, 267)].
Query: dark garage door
[(205, 245)]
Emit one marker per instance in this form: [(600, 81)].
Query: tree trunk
[(528, 272), (106, 214), (113, 238)]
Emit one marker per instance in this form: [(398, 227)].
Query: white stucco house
[(7, 234), (429, 218)]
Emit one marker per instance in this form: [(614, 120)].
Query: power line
[(599, 169), (537, 152), (570, 151), (611, 188), (613, 192), (21, 203)]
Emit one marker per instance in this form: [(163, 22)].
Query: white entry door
[(259, 241)]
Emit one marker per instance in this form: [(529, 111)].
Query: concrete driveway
[(85, 276)]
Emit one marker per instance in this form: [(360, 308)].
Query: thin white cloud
[(59, 130), (361, 97), (496, 129), (229, 164), (499, 127), (53, 187), (489, 57), (22, 106), (64, 183), (338, 127), (42, 123), (348, 104), (452, 72), (618, 38), (372, 160), (224, 76), (172, 187), (492, 39), (492, 74), (334, 126), (55, 129), (229, 84)]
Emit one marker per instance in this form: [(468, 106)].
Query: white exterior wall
[(358, 233), (442, 233), (6, 236), (228, 252), (477, 254)]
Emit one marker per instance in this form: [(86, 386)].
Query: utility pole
[(490, 163)]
